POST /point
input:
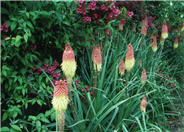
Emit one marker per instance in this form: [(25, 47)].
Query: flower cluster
[(83, 90), (4, 27), (130, 14), (92, 5), (164, 80), (96, 11), (49, 70)]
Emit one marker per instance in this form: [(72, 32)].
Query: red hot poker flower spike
[(164, 30), (129, 61), (144, 26), (68, 64), (143, 104), (60, 96), (143, 76), (154, 44), (175, 43), (122, 68), (97, 58)]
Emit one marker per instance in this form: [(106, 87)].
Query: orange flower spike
[(97, 58), (60, 96), (164, 30), (143, 104), (154, 44), (129, 61), (175, 43), (143, 76), (122, 68), (144, 26), (68, 64)]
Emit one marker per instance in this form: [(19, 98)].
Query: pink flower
[(104, 7), (113, 6), (110, 15), (51, 69), (130, 14), (56, 75), (91, 93), (87, 89), (38, 72), (82, 89), (86, 19), (116, 12), (33, 69), (92, 5), (79, 10), (46, 64), (167, 76), (1, 27), (150, 5), (76, 81), (81, 3), (6, 30), (95, 16), (150, 22), (5, 25)]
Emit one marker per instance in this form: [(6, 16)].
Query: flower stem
[(61, 120), (126, 90), (95, 80), (144, 121), (69, 85)]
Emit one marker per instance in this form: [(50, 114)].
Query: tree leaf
[(15, 127), (13, 26)]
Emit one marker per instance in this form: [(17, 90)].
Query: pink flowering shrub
[(4, 27), (51, 70), (96, 11)]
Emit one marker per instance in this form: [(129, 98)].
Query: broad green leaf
[(17, 128), (5, 115), (5, 129), (13, 26)]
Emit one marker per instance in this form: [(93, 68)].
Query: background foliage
[(33, 35)]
